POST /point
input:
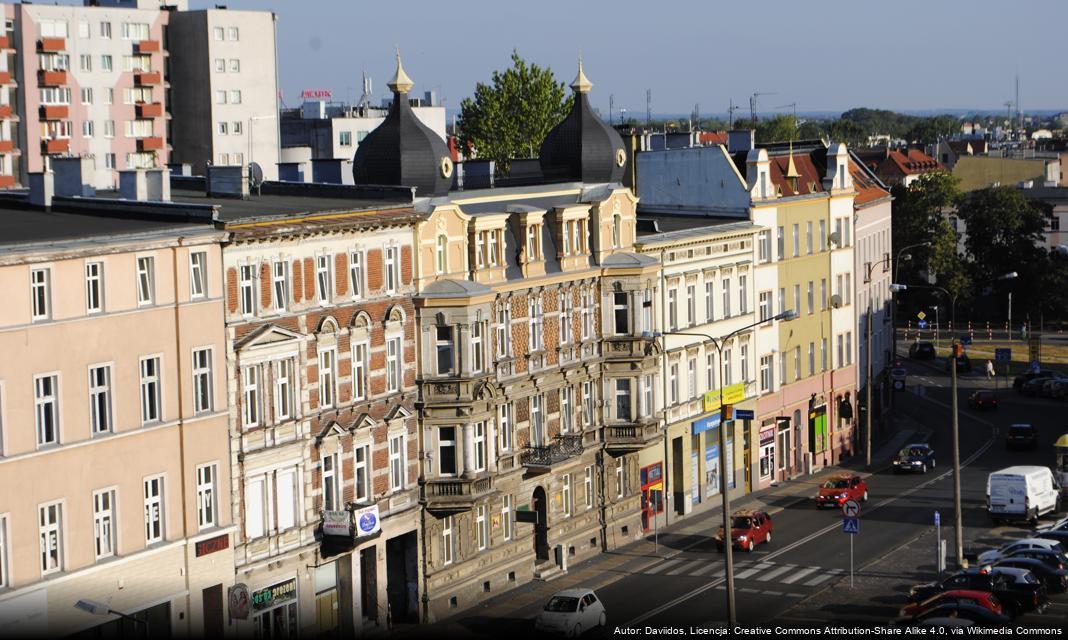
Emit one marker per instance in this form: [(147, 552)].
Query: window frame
[(156, 500), (94, 287), (146, 280), (104, 524), (203, 380), (41, 294), (100, 413), (151, 384), (207, 495)]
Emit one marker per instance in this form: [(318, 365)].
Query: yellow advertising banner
[(731, 395)]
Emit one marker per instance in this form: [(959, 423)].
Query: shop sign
[(238, 600), (211, 545), (337, 523), (767, 435), (269, 597), (732, 394), (706, 424), (367, 521)]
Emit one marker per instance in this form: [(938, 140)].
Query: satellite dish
[(836, 301), (255, 175)]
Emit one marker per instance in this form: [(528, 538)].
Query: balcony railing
[(55, 112), (7, 146), (149, 144), (6, 181), (149, 109), (147, 46), (627, 347), (455, 494), (47, 78), (52, 44), (5, 111), (631, 437), (147, 78), (544, 457), (58, 145), (6, 77)]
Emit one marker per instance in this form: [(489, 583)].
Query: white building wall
[(873, 245)]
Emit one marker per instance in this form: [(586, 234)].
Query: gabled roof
[(868, 187)]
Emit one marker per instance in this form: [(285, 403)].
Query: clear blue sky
[(826, 55)]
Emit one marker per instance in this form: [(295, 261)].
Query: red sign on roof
[(316, 93)]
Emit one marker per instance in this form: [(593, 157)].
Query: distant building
[(898, 166), (948, 151), (979, 172)]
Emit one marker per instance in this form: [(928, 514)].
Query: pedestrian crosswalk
[(751, 570)]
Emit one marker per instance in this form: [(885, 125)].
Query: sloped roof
[(868, 187)]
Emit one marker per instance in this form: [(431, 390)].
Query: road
[(809, 550)]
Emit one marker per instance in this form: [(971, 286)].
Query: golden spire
[(581, 84), (791, 170), (400, 83)]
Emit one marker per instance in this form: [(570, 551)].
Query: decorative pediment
[(362, 421), (331, 430), (327, 324), (397, 412), (485, 391), (266, 336)]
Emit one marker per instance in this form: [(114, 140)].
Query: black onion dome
[(582, 147), (402, 151)]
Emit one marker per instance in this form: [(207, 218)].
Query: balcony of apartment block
[(147, 46), (7, 181), (55, 112), (543, 458), (7, 146), (627, 347), (6, 77), (149, 110), (5, 42), (6, 112), (51, 45), (47, 78), (154, 143), (456, 495), (632, 436), (148, 78), (55, 145)]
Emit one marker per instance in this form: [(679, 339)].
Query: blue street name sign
[(938, 518), (744, 414), (923, 324), (1003, 355), (851, 526)]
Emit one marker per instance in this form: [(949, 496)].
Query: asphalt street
[(809, 552)]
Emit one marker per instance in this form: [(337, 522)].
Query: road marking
[(795, 595), (750, 572), (664, 565), (819, 579), (772, 593), (777, 572), (800, 574), (712, 566), (684, 568)]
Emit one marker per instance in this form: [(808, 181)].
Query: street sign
[(851, 509), (938, 519), (851, 526), (923, 324), (1003, 355), (744, 414), (921, 315)]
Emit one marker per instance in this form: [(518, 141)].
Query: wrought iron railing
[(562, 448)]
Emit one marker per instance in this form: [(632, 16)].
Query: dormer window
[(763, 184), (441, 254), (617, 231), (841, 176), (565, 244), (533, 242), (492, 247), (578, 238)]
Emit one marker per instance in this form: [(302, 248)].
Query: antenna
[(367, 92), (648, 107), (611, 107), (1019, 115), (792, 105), (696, 112), (730, 113), (752, 103)]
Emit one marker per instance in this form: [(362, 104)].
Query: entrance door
[(402, 589), (541, 530), (369, 583), (652, 485), (213, 611)]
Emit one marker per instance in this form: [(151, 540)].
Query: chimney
[(145, 185), (227, 182), (73, 176), (741, 140), (42, 188)]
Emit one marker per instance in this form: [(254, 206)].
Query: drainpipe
[(181, 417), (663, 385)]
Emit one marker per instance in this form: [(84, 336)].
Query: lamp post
[(868, 369), (100, 609), (901, 255), (718, 343)]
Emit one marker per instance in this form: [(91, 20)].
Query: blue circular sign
[(367, 523)]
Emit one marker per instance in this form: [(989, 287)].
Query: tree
[(510, 117), (781, 128)]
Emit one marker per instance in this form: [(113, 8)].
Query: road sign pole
[(850, 561)]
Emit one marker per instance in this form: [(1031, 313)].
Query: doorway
[(212, 599), (369, 583), (402, 588), (541, 529)]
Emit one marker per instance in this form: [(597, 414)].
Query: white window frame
[(361, 473), (480, 455), (504, 330), (151, 388), (391, 269), (621, 477), (146, 280), (328, 378), (50, 535), (41, 294), (567, 417), (324, 278), (155, 510), (505, 425), (331, 483), (481, 529), (394, 364), (448, 542), (361, 365), (588, 487), (94, 287), (203, 379), (207, 496), (46, 402), (569, 507), (5, 554), (198, 274), (507, 518), (356, 274), (587, 404), (478, 353), (398, 455), (284, 385), (250, 396), (104, 524), (100, 404), (280, 284)]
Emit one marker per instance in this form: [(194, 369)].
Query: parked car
[(1033, 387), (1015, 599), (1031, 594), (1055, 580), (1021, 493), (1018, 381), (1060, 525), (963, 363), (1021, 436), (1056, 535), (921, 351), (979, 598), (748, 529), (1053, 387), (979, 615), (570, 612), (914, 457), (1054, 558), (983, 399), (1007, 549), (946, 623), (842, 487)]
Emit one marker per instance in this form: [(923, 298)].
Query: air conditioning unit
[(836, 301)]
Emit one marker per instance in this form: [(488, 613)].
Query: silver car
[(570, 612)]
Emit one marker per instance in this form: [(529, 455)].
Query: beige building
[(113, 412)]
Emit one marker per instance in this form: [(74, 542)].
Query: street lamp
[(868, 376), (718, 343), (100, 609)]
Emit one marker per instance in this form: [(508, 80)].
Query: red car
[(842, 487), (983, 399), (748, 529), (983, 599)]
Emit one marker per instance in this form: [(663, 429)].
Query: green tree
[(781, 128), (510, 117)]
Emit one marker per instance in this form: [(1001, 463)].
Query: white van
[(1021, 493)]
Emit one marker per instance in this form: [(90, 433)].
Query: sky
[(824, 55)]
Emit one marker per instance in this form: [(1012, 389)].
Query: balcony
[(7, 181), (5, 111), (149, 144), (58, 145), (6, 77), (146, 79), (627, 347), (454, 495), (147, 46), (52, 44), (55, 112), (628, 438), (149, 109), (541, 459), (51, 78), (5, 42), (7, 146)]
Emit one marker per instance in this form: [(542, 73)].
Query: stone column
[(469, 450), (491, 445)]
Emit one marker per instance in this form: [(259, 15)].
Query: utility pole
[(648, 107), (611, 107), (958, 526)]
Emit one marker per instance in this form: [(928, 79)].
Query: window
[(710, 287), (727, 378), (87, 95), (743, 293), (235, 65), (588, 487), (286, 499), (726, 282), (284, 383), (568, 505), (223, 128), (220, 96), (621, 312), (534, 309), (621, 477), (220, 65), (691, 378), (849, 347), (109, 132), (331, 483), (797, 362), (673, 383), (206, 506), (55, 95), (504, 330), (764, 246), (53, 28), (250, 406), (40, 294), (362, 473), (478, 355), (202, 380), (235, 128), (51, 537), (480, 446), (235, 96), (587, 314), (105, 30), (391, 269), (360, 367), (138, 128), (441, 254), (327, 377), (46, 409), (255, 508), (647, 310), (823, 294), (135, 31), (505, 422), (481, 531), (565, 318), (782, 369), (567, 411), (248, 289), (198, 274), (797, 299), (673, 309), (5, 581), (280, 284), (87, 128), (396, 462), (104, 523), (356, 272), (587, 404), (781, 248), (710, 369), (617, 231), (137, 64), (507, 522), (231, 34), (647, 397), (447, 451), (447, 549), (153, 510), (841, 350), (218, 33), (393, 364), (808, 237), (811, 358), (106, 63), (797, 241), (811, 298), (744, 354), (146, 280), (83, 29), (443, 348), (100, 398), (765, 374), (323, 278), (782, 299), (537, 433), (764, 308), (85, 62), (150, 390), (691, 305), (823, 354)]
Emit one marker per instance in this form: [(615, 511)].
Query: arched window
[(617, 231), (442, 261)]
